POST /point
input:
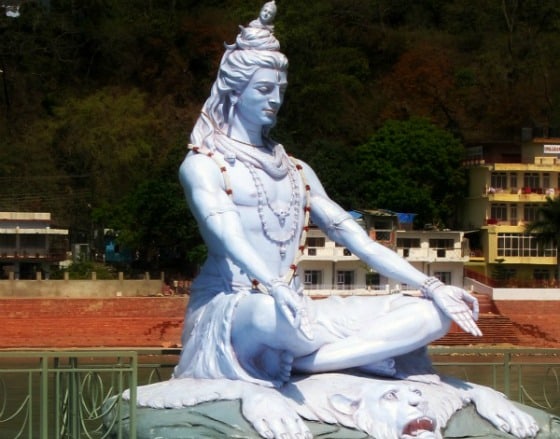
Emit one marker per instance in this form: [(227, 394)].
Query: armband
[(430, 285)]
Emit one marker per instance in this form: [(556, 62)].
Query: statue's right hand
[(292, 306)]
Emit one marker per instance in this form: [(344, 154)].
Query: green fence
[(66, 394), (529, 376), (50, 395)]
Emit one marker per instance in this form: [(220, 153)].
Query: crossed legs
[(362, 332)]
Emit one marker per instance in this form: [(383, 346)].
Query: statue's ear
[(344, 404), (233, 97)]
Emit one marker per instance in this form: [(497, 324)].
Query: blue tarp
[(406, 218)]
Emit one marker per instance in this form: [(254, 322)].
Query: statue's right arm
[(220, 225), (218, 218)]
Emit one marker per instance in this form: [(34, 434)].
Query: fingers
[(295, 311), (466, 322), (282, 428), (305, 324), (473, 301), (516, 423), (475, 309)]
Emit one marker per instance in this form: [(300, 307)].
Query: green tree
[(546, 228), (154, 221), (411, 166)]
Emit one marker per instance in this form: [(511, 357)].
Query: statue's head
[(268, 12), (255, 48)]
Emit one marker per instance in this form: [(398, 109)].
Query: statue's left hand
[(454, 302), (292, 306)]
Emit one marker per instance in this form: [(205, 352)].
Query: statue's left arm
[(341, 228)]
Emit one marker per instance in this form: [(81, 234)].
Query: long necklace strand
[(279, 238)]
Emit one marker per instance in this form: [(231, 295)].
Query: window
[(408, 242), (32, 241), (541, 274), (499, 212), (446, 244), (444, 276), (344, 279), (513, 180), (513, 213), (8, 241), (315, 241), (312, 279), (521, 245), (382, 235), (498, 180), (531, 180), (373, 279), (530, 212), (546, 180)]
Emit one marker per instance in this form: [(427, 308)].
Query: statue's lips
[(419, 425)]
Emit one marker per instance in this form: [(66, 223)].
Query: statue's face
[(268, 12), (259, 103), (403, 406)]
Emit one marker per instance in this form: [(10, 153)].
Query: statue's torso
[(271, 212)]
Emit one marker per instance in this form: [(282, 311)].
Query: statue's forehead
[(265, 74)]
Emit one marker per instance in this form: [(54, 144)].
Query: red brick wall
[(92, 323)]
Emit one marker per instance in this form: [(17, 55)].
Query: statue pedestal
[(223, 419)]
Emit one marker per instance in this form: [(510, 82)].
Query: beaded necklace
[(264, 198), (280, 210)]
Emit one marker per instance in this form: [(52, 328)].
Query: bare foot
[(274, 365), (385, 368)]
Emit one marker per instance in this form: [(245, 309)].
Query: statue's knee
[(256, 313), (434, 318)]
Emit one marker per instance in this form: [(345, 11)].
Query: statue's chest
[(253, 187)]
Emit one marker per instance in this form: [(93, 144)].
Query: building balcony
[(324, 290), (30, 254), (432, 255), (526, 194), (328, 253)]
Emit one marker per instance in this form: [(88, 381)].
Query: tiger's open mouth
[(418, 427)]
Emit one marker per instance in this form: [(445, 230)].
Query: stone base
[(223, 419)]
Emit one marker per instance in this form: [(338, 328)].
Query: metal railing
[(65, 394), (527, 375), (68, 394)]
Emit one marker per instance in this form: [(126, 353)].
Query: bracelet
[(430, 285), (267, 290)]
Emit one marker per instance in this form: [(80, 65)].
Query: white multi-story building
[(327, 268), (28, 245)]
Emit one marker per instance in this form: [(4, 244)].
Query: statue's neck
[(247, 135)]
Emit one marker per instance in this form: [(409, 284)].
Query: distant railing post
[(507, 373), (44, 395)]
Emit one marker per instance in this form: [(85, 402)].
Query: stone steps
[(496, 329)]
